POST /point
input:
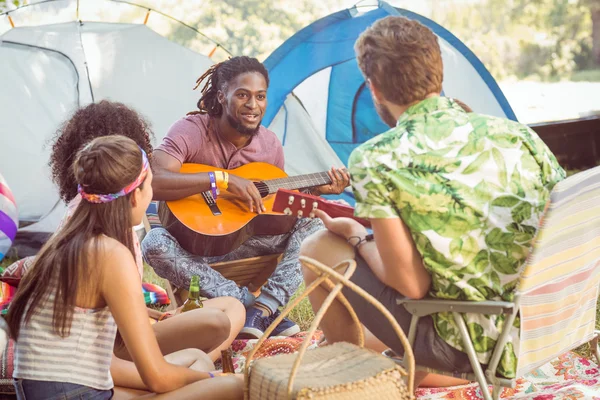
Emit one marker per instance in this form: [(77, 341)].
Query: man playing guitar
[(227, 133)]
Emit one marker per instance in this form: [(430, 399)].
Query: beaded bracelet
[(213, 184), (211, 374), (164, 316)]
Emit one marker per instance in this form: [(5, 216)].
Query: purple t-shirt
[(194, 139)]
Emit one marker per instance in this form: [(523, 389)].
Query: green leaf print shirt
[(471, 188)]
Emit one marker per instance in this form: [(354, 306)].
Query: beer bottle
[(193, 301), (227, 361)]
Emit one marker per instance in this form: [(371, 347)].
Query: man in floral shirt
[(454, 198)]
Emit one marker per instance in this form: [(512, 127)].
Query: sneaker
[(255, 325), (285, 328)]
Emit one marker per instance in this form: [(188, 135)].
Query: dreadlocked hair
[(218, 76)]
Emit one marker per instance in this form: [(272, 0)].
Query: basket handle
[(321, 268), (349, 266), (324, 273)]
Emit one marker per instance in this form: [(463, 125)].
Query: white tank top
[(81, 358)]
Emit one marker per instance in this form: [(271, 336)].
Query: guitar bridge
[(211, 203)]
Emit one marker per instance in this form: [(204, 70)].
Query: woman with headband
[(84, 285), (210, 329)]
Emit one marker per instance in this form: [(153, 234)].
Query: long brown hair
[(66, 263)]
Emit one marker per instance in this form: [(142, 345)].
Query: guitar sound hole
[(263, 189)]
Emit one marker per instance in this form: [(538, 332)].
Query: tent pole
[(212, 52), (77, 11)]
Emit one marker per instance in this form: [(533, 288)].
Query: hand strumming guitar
[(247, 191), (340, 179)]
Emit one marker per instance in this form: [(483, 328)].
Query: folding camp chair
[(556, 294)]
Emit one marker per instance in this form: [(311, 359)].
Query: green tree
[(255, 27), (5, 4), (594, 6), (545, 38)]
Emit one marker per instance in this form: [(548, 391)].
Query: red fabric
[(7, 367), (15, 271)]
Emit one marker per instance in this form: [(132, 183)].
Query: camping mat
[(566, 377)]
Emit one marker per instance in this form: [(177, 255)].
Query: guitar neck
[(298, 182)]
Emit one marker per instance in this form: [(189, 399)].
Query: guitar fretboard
[(298, 182)]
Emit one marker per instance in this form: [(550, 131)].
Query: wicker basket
[(335, 372)]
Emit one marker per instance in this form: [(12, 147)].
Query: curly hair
[(95, 120), (218, 76), (402, 58)]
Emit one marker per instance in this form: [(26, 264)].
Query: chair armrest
[(427, 306)]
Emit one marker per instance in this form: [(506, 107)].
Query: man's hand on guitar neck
[(247, 191), (340, 179)]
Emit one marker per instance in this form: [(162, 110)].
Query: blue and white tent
[(319, 105)]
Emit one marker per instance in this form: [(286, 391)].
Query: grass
[(303, 313), (150, 276), (6, 262), (590, 75)]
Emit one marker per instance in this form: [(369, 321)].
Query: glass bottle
[(227, 361), (193, 301)]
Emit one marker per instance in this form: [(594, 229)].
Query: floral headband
[(105, 198)]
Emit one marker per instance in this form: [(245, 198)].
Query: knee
[(231, 387), (314, 244), (326, 247), (154, 242), (200, 361), (236, 312), (220, 325)]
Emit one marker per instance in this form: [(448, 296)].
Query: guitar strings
[(297, 182)]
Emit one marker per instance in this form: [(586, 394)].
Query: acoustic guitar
[(208, 227)]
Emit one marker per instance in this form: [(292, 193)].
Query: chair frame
[(428, 306)]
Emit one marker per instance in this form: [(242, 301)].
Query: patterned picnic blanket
[(568, 377)]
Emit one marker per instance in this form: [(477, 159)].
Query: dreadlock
[(219, 75)]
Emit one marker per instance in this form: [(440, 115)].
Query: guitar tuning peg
[(300, 213), (303, 203), (287, 211), (311, 215), (315, 205), (291, 200)]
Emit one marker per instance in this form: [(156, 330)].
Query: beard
[(385, 115), (239, 126)]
